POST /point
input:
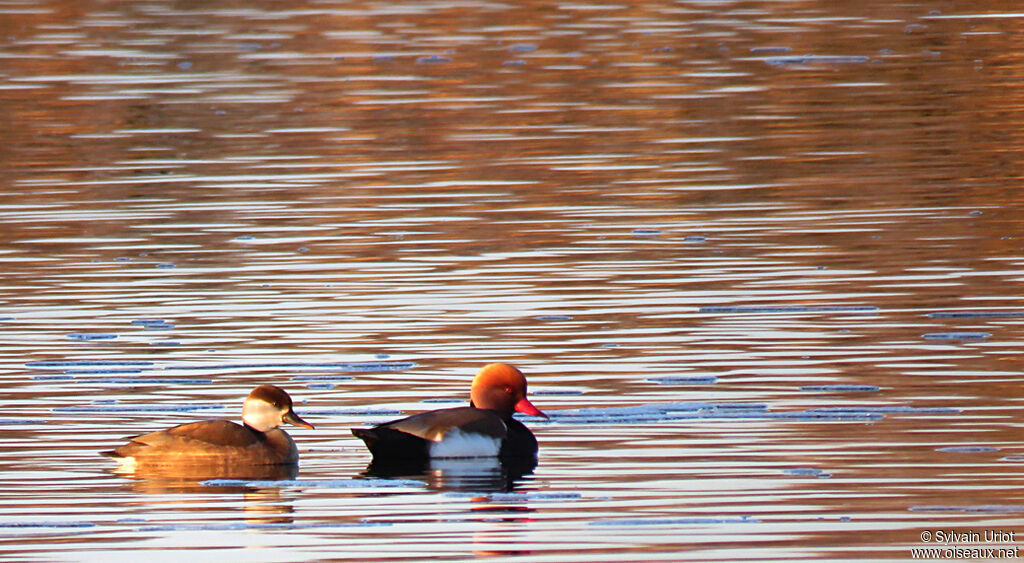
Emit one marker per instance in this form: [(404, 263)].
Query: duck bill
[(526, 407), (291, 418)]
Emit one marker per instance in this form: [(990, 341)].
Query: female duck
[(483, 429), (258, 441)]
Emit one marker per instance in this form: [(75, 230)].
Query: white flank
[(460, 444), (126, 465)]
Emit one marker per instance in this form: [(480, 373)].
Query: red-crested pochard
[(483, 429), (258, 441)]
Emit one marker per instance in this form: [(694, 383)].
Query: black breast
[(519, 442)]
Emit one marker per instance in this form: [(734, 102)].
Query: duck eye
[(508, 390)]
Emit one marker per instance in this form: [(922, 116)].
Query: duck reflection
[(260, 504), (188, 476), (475, 474)]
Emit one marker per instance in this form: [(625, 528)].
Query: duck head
[(268, 407), (502, 387)]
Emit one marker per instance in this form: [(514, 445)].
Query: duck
[(257, 441), (485, 428)]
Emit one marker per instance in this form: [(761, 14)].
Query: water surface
[(761, 263)]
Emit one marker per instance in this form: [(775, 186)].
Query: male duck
[(483, 429)]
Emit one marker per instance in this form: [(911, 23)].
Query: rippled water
[(762, 264)]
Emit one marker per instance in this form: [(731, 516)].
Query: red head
[(502, 387)]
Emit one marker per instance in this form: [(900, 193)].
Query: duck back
[(202, 441)]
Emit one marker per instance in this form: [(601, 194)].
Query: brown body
[(258, 441), (209, 440)]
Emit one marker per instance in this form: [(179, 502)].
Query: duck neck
[(261, 435)]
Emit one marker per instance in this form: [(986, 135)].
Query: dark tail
[(367, 435), (388, 443)]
